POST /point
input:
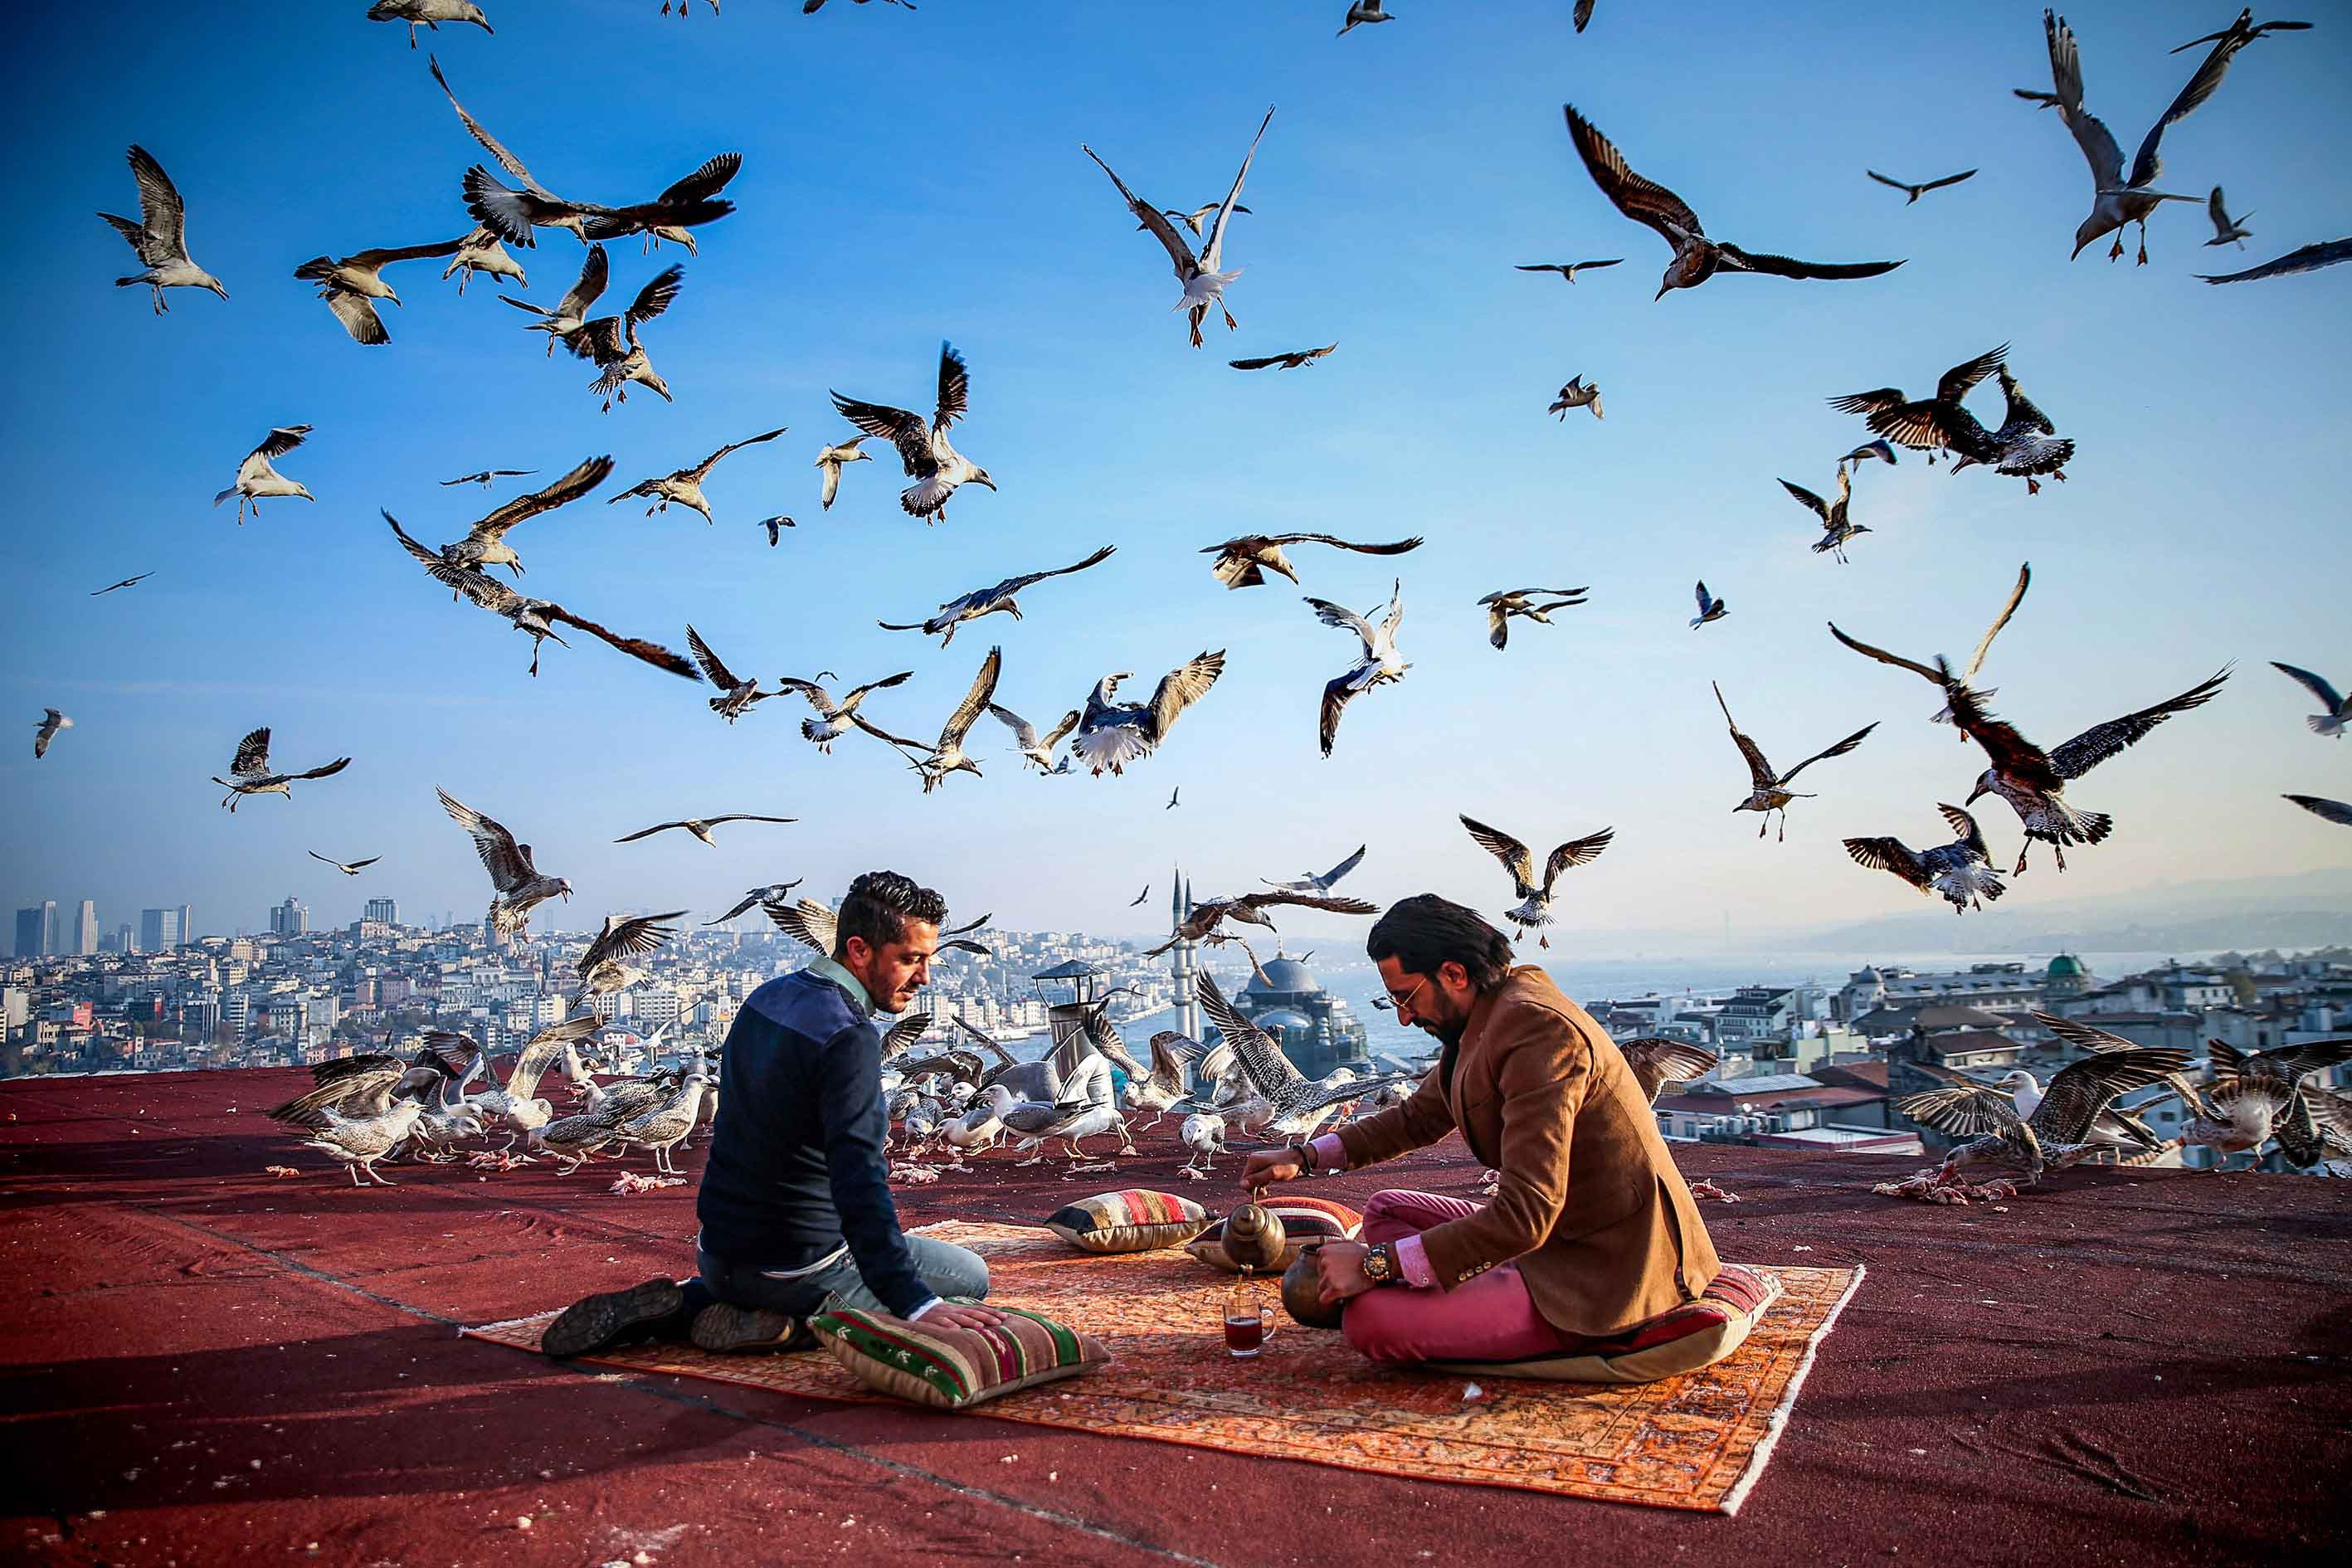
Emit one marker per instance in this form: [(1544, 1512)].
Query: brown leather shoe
[(599, 1323), (726, 1328)]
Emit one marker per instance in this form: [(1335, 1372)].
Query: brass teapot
[(1254, 1237)]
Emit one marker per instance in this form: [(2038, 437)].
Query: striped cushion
[(1303, 1222), (1135, 1220), (949, 1368), (1681, 1338)]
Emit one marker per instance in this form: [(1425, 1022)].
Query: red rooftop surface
[(205, 1364)]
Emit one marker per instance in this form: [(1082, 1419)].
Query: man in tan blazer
[(1591, 1231)]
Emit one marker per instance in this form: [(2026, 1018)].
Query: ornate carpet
[(1699, 1441)]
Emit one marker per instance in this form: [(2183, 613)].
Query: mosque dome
[(1283, 977), (2065, 967)]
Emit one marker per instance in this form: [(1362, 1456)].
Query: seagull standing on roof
[(485, 545), (256, 479), (1312, 882), (1568, 269), (251, 773), (570, 313), (1111, 735), (2033, 782), (1710, 608), (833, 719), (2059, 1132), (1204, 284), (358, 1142), (603, 967), (1696, 258), (1504, 604), (2226, 229), (929, 459), (160, 238), (685, 485), (1576, 395), (517, 885), (45, 730), (990, 601), (831, 459), (1919, 190), (1534, 912), (351, 284), (1243, 561), (1940, 676), (1379, 664), (2337, 710), (1159, 1091), (939, 760), (1960, 872), (1296, 1104), (1770, 792), (1035, 749), (1836, 531)]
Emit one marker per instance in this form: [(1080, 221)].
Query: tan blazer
[(1590, 1206)]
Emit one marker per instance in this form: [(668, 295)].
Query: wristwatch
[(1379, 1264)]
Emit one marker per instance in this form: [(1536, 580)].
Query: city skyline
[(2194, 528)]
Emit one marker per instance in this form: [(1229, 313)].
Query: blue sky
[(913, 177)]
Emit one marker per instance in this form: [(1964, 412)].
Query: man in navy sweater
[(794, 1202)]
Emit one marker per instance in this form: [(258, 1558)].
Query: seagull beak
[(217, 289), (983, 479), (1973, 795), (1661, 293)]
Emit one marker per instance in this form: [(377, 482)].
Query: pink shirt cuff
[(1413, 1260), (1330, 1154)]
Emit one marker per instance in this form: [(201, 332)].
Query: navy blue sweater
[(796, 1164)]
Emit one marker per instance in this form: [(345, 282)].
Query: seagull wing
[(1212, 252), (1399, 548), (507, 161), (594, 273), (370, 261), (1344, 867), (984, 688), (2095, 745), (1965, 830), (1260, 363), (357, 314), (1068, 722), (1179, 252), (903, 429), (1759, 770), (2081, 1090), (1820, 507), (314, 855), (2091, 134), (647, 832), (1182, 687), (2148, 163), (1658, 1062), (2329, 697), (1338, 692), (1949, 179), (2016, 598), (162, 215), (1644, 201), (1575, 853), (2010, 753), (1883, 180), (1260, 1059), (740, 816), (1889, 854), (1013, 585), (1509, 850), (1345, 620), (655, 297), (1840, 750), (464, 580), (2326, 254), (508, 866), (282, 441), (564, 491), (857, 693), (1740, 261), (805, 922), (703, 468), (252, 752), (1024, 733), (721, 676), (628, 938), (653, 653), (1962, 1109), (955, 389), (904, 1033), (1898, 661), (704, 183), (2019, 413), (1338, 906), (326, 770)]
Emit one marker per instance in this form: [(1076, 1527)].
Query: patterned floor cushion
[(1685, 1338), (1304, 1221), (953, 1369), (1135, 1220)]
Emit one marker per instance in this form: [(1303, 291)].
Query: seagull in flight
[(485, 545), (2338, 713), (929, 459), (1919, 190), (1568, 269), (2310, 258), (431, 13), (1249, 909), (1141, 896), (1505, 604), (352, 284), (833, 719), (1770, 790), (1696, 258), (485, 478), (517, 885), (1379, 663), (775, 527), (700, 827), (1312, 883), (256, 479), (937, 762), (1576, 395), (350, 869), (1534, 911), (160, 238), (1194, 220), (831, 460), (989, 600), (603, 967), (685, 485), (736, 695), (611, 342), (1710, 608), (538, 618), (2335, 811), (1940, 675), (44, 730), (567, 321), (1112, 735), (2022, 448), (126, 583), (1880, 450), (251, 773), (1291, 361), (1243, 561), (1836, 531), (1171, 799), (774, 892), (480, 251), (1361, 13), (2226, 229), (2033, 782), (1033, 747), (1204, 283)]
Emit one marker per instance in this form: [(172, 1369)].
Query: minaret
[(1188, 1007)]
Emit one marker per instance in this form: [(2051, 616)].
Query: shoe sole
[(596, 1322), (726, 1330)]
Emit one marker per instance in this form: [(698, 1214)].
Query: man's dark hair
[(1424, 931), (878, 907)]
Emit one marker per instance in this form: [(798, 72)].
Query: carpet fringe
[(1778, 1422)]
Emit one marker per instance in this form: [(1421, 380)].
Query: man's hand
[(950, 1314), (1269, 1166), (1339, 1270)]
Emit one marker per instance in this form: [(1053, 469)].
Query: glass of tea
[(1247, 1326)]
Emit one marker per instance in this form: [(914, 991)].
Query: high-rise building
[(291, 918), (160, 931), (85, 928), (187, 930), (37, 930), (126, 939), (384, 909)]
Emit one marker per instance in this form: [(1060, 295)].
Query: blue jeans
[(948, 1269)]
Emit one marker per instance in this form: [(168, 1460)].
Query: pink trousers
[(1490, 1318)]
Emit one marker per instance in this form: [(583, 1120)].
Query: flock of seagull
[(354, 1108)]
